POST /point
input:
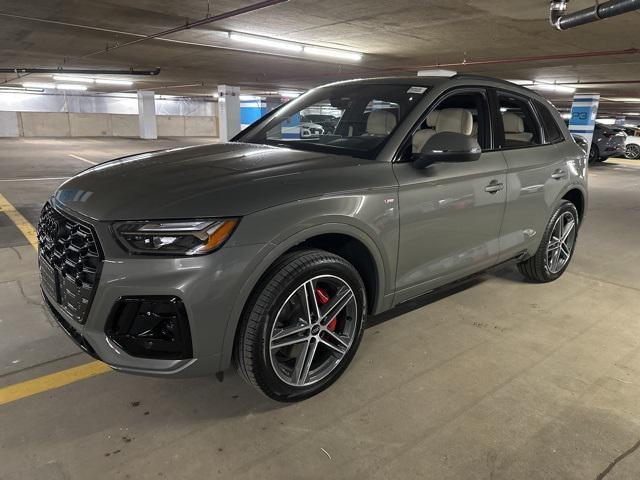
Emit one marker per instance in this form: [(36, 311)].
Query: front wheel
[(302, 326), (557, 246), (632, 152)]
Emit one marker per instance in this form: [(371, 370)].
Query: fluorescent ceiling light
[(289, 94), (19, 89), (624, 99), (631, 113), (295, 47), (108, 81), (521, 82), (50, 86), (65, 78), (249, 98), (70, 86), (544, 86), (566, 116), (266, 42), (332, 53)]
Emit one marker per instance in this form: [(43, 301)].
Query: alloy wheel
[(313, 330), (561, 242), (633, 152)]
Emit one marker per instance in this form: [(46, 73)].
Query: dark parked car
[(606, 143), (270, 251)]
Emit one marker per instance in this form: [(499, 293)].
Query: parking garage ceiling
[(503, 38)]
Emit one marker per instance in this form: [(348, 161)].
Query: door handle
[(559, 175), (494, 187)]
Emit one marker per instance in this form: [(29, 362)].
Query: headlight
[(183, 237)]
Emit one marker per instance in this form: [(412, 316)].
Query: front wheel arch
[(270, 256)]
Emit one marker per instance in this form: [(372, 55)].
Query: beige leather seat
[(380, 123), (456, 120), (514, 128), (421, 136)]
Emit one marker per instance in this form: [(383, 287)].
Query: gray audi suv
[(269, 252)]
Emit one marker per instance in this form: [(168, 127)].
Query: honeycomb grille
[(70, 261)]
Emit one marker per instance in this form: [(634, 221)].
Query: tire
[(276, 314), (594, 153), (632, 152), (541, 267)]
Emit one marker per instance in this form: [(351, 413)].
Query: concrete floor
[(498, 379)]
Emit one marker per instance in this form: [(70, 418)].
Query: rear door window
[(520, 125)]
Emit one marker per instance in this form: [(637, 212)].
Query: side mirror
[(447, 147)]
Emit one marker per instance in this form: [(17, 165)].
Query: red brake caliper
[(323, 298)]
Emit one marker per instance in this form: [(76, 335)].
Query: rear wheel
[(302, 326), (557, 246), (633, 152)]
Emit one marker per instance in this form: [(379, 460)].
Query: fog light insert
[(151, 327)]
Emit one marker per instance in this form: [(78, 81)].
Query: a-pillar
[(228, 112), (147, 115)]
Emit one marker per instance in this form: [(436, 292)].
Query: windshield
[(351, 119)]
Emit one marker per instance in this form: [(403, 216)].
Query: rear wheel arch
[(576, 196)]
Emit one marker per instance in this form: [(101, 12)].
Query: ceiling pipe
[(81, 71), (197, 23), (599, 11)]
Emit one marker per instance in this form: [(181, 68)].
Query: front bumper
[(206, 285)]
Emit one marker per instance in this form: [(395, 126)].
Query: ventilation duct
[(599, 11)]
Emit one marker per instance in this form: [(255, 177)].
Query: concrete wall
[(50, 124), (125, 126), (200, 126), (35, 124), (170, 126), (9, 125), (90, 125)]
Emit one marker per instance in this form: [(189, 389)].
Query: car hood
[(227, 179)]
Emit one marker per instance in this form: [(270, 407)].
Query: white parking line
[(31, 179), (83, 159)]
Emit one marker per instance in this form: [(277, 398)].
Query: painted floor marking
[(78, 157), (31, 179), (54, 380), (45, 383), (20, 222)]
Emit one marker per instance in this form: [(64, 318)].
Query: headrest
[(381, 122), (512, 123), (432, 118), (420, 138), (457, 120)]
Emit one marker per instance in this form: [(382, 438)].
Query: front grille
[(70, 260)]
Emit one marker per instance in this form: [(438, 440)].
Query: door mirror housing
[(447, 147)]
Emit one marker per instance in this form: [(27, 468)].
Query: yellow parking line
[(20, 222), (49, 382), (54, 380)]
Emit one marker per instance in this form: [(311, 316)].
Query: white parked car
[(632, 143)]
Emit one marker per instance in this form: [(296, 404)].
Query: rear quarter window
[(552, 132)]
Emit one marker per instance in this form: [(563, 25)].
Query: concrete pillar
[(9, 124), (147, 115), (228, 112)]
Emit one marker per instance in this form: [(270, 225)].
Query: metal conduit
[(599, 11)]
